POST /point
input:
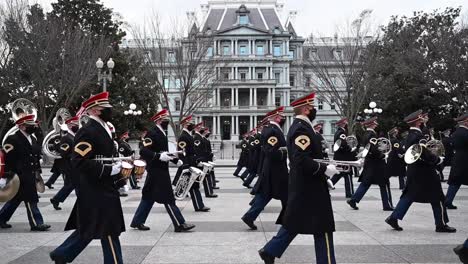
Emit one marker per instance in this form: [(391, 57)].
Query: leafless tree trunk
[(337, 66), (177, 65)]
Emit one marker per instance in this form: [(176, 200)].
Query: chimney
[(292, 17)]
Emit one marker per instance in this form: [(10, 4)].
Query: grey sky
[(315, 16)]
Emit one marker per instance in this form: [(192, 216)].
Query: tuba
[(187, 178), (51, 142), (414, 152), (19, 108)]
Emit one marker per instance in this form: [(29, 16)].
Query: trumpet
[(342, 166)]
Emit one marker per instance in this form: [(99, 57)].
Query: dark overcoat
[(374, 163), (459, 170), (344, 152), (396, 165)]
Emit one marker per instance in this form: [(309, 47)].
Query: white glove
[(164, 157), (180, 163), (330, 185), (331, 170), (441, 160), (2, 182), (116, 168)]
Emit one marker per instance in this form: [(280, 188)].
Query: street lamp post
[(373, 109), (131, 113), (104, 76)]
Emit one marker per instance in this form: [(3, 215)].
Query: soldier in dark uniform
[(396, 165), (190, 159), (211, 157), (66, 148), (309, 208), (126, 151), (459, 172), (423, 184), (318, 128), (462, 251), (256, 157), (157, 186), (203, 155), (449, 152), (56, 170), (97, 213), (22, 155), (374, 170), (344, 153), (250, 147), (273, 182), (244, 155)]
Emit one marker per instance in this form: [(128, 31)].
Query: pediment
[(242, 30)]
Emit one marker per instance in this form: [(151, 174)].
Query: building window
[(277, 101), (333, 127), (307, 81), (226, 50), (209, 52), (260, 75), (171, 56), (225, 75), (177, 104), (243, 19), (277, 50), (243, 76), (260, 50), (243, 50), (320, 104), (292, 99), (332, 104), (292, 80), (277, 77), (292, 54)]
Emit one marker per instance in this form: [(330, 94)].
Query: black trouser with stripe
[(74, 245), (145, 207), (34, 215)]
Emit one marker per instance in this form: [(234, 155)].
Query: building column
[(270, 46), (215, 130), (250, 122), (250, 97), (236, 73), (236, 130), (271, 73), (235, 47), (254, 97), (284, 48), (273, 96), (232, 73), (253, 74), (269, 97), (218, 96), (232, 96), (232, 126), (254, 50), (254, 121), (249, 50), (236, 103)]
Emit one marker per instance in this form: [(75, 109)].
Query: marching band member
[(157, 186), (423, 184), (374, 170), (318, 128), (206, 137), (66, 147), (250, 148), (56, 172), (244, 155), (22, 155), (273, 182), (256, 156), (124, 188), (344, 153), (97, 213), (190, 159), (201, 151), (126, 150), (449, 152), (309, 208), (459, 172), (396, 165)]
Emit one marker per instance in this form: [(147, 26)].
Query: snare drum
[(126, 169), (140, 167)]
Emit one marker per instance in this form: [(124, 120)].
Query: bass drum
[(10, 189)]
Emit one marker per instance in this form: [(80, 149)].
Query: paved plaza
[(221, 237)]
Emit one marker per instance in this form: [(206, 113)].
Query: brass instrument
[(11, 187), (207, 168), (414, 152), (187, 178), (19, 108), (384, 145), (51, 142), (350, 140), (342, 166)]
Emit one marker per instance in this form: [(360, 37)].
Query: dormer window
[(243, 19), (243, 15)]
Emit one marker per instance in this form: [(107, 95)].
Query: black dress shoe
[(40, 228), (57, 259), (137, 188), (352, 203), (49, 186), (393, 223), (445, 229), (216, 181), (212, 196), (462, 253), (266, 257), (250, 223), (55, 204), (183, 228), (389, 209), (204, 209), (141, 227), (216, 188), (123, 194), (451, 206), (5, 225)]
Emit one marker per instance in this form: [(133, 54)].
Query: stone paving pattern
[(221, 237)]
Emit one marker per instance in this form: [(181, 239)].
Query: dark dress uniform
[(449, 151), (22, 158), (70, 180), (250, 153), (203, 155), (423, 184), (309, 208), (243, 157), (254, 159), (57, 170), (273, 182), (190, 159), (396, 165), (126, 150), (97, 213), (212, 178), (157, 186), (344, 153), (373, 173), (459, 172)]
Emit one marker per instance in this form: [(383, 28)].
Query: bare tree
[(337, 65), (177, 65)]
